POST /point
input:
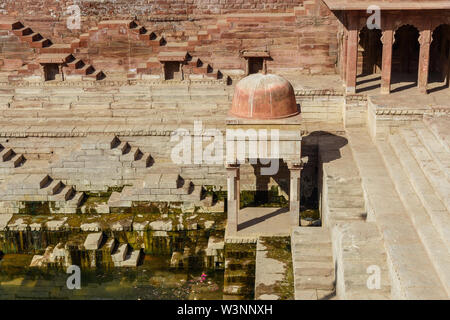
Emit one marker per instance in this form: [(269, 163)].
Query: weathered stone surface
[(93, 241)]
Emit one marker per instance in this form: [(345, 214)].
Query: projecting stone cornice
[(347, 5)]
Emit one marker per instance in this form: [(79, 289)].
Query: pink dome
[(263, 96)]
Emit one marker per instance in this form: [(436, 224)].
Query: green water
[(152, 280)]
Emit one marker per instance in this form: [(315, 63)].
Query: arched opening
[(370, 51), (405, 58), (440, 58)]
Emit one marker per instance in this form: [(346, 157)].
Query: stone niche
[(255, 61), (172, 65), (51, 66)]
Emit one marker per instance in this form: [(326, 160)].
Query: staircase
[(418, 166), (111, 253), (114, 162), (45, 48), (158, 187), (357, 243), (412, 269), (20, 189), (9, 159), (312, 258)]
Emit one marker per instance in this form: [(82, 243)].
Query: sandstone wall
[(301, 40)]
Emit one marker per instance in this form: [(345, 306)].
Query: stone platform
[(269, 222)]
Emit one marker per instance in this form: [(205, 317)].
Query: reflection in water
[(152, 280)]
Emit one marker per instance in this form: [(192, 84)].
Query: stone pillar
[(424, 60), (352, 56), (233, 198), (61, 71), (386, 69), (294, 194), (344, 55)]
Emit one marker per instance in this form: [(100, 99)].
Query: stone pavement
[(261, 221)]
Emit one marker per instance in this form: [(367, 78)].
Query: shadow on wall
[(333, 143), (312, 172)]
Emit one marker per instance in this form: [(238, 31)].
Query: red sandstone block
[(75, 44), (32, 37), (202, 70), (116, 24), (10, 24), (40, 43)]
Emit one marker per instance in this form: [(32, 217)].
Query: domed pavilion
[(264, 128)]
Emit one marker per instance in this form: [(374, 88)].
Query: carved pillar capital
[(425, 37), (387, 37)]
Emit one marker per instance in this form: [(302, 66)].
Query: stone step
[(57, 48), (6, 154), (434, 147), (112, 244), (121, 148), (129, 153), (10, 24), (161, 181), (312, 261), (36, 181), (100, 143), (52, 188), (76, 64), (435, 244), (314, 268), (312, 236), (438, 126), (132, 259), (312, 248), (362, 254), (32, 37), (142, 160), (76, 200), (409, 262), (22, 31), (300, 256), (93, 241), (431, 169), (347, 214), (86, 69), (423, 189), (15, 161), (65, 194), (120, 254), (314, 282), (42, 43), (95, 75), (347, 202)]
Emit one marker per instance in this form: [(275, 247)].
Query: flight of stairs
[(357, 243), (19, 189), (45, 47), (419, 167), (312, 258), (393, 206), (102, 251), (115, 162), (157, 187), (10, 159)]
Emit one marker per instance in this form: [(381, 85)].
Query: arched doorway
[(440, 58), (405, 58), (370, 51)]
